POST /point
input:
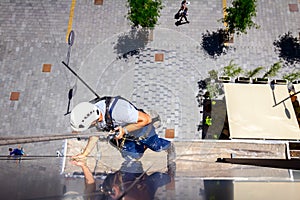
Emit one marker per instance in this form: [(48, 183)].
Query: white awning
[(253, 113), (297, 89)]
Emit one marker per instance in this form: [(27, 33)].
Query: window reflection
[(131, 181)]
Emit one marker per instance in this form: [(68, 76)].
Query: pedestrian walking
[(184, 4), (184, 15)]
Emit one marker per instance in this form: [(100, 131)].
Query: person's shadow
[(178, 23)]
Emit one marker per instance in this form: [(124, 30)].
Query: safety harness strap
[(108, 119), (110, 103)]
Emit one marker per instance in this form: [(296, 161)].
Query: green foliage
[(213, 90), (144, 13), (213, 74), (239, 16), (273, 70), (232, 70), (252, 73), (292, 76)]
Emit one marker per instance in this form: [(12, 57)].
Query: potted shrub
[(239, 17), (144, 13)]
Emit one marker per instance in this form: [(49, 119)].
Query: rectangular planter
[(243, 80), (261, 80), (224, 79), (279, 81)]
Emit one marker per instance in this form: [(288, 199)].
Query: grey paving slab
[(114, 60), (34, 33)]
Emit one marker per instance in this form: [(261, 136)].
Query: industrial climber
[(133, 128)]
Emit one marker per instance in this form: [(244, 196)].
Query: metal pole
[(81, 80), (286, 99), (20, 140)]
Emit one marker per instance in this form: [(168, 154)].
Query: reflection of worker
[(90, 184), (131, 182), (136, 133), (296, 106)]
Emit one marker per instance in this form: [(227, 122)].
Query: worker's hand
[(79, 163), (75, 132), (78, 157), (121, 132)]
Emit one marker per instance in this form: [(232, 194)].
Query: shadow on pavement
[(288, 48), (178, 23), (214, 43), (129, 44)]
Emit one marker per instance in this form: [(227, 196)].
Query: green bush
[(144, 13), (292, 76), (255, 72), (213, 74), (273, 70), (232, 70), (239, 16), (213, 90)]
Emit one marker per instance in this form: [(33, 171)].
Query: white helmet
[(83, 115)]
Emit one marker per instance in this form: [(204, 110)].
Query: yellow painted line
[(224, 12), (70, 19), (224, 3)]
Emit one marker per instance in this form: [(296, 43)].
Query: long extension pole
[(286, 99), (81, 80), (20, 140)]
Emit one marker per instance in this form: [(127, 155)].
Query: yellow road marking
[(224, 12), (70, 19)]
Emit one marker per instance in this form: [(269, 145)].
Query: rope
[(20, 140)]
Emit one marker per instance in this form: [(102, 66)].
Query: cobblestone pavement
[(117, 60)]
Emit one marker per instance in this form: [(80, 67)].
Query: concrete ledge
[(192, 158), (198, 159)]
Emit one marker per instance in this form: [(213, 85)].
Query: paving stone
[(33, 33)]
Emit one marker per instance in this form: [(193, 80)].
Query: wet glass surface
[(41, 179), (30, 178), (40, 175)]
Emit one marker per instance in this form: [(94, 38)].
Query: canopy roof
[(297, 89), (253, 111)]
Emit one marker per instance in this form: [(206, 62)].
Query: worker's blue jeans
[(136, 148)]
